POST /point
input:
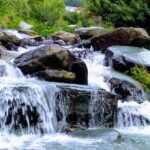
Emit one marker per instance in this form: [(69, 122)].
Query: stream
[(130, 133)]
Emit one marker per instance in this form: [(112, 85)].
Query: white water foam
[(30, 142), (134, 118)]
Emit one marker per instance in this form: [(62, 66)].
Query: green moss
[(142, 75)]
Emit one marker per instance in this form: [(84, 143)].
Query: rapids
[(16, 89)]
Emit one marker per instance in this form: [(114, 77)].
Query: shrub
[(48, 11), (81, 19), (142, 75), (46, 30)]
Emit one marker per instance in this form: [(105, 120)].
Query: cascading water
[(8, 70), (28, 96), (25, 106), (133, 114), (26, 103), (129, 113)]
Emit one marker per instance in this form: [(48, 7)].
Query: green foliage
[(142, 75), (12, 10), (47, 15), (81, 19), (46, 30), (121, 12), (49, 11)]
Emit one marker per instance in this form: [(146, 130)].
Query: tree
[(121, 12)]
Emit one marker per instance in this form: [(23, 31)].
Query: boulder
[(66, 37), (56, 75), (87, 107), (52, 57), (123, 58), (88, 32), (126, 90), (121, 36)]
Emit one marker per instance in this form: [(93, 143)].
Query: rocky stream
[(71, 92)]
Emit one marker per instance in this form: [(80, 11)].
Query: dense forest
[(122, 12)]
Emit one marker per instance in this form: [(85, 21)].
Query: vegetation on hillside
[(45, 15), (49, 16), (121, 12)]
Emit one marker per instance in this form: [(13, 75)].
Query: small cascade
[(134, 111), (8, 70), (28, 107), (95, 64), (92, 108), (132, 114)]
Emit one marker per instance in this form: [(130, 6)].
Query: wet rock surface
[(7, 55), (56, 75), (52, 57), (79, 101), (123, 58), (126, 90)]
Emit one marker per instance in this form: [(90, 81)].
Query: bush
[(46, 30), (142, 75), (48, 11), (81, 19)]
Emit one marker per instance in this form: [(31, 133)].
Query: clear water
[(129, 134)]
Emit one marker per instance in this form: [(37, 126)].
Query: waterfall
[(30, 105), (133, 114), (8, 70), (129, 114), (26, 106)]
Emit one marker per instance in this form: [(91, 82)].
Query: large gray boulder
[(123, 58), (52, 57), (121, 36)]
